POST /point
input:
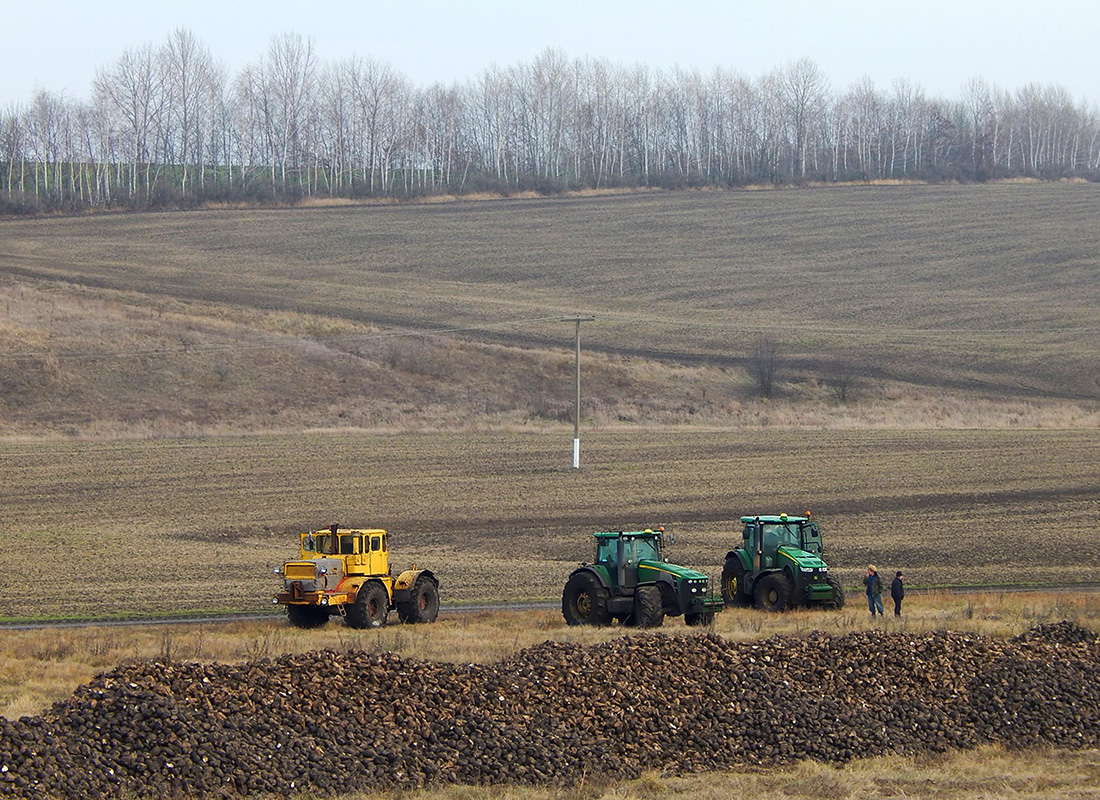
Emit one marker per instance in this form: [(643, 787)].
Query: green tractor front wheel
[(838, 591), (773, 592), (649, 608)]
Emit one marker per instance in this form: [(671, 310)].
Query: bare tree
[(804, 88), (843, 378), (13, 147), (763, 364), (379, 94), (282, 87), (192, 85), (134, 88)]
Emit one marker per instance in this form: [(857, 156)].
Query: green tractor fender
[(599, 570)]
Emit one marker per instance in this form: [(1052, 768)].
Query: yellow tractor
[(346, 572)]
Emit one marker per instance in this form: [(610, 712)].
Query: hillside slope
[(973, 306)]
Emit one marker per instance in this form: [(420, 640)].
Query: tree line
[(168, 126)]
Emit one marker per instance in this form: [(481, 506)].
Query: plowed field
[(95, 529)]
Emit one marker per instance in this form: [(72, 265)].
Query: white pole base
[(576, 454)]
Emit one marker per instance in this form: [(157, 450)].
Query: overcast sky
[(936, 44)]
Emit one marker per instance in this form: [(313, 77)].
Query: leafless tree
[(133, 88), (763, 364), (804, 88), (843, 378), (162, 118), (193, 86)]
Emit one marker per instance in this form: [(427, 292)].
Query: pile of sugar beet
[(328, 722)]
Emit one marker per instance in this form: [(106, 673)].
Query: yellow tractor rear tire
[(423, 602)]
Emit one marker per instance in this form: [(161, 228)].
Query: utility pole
[(577, 387)]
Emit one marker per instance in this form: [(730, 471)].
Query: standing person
[(897, 591), (874, 590)]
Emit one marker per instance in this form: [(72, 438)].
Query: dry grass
[(988, 773)]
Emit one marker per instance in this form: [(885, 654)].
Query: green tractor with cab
[(631, 582), (779, 566)]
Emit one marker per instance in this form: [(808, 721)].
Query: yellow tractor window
[(375, 543), (347, 545)]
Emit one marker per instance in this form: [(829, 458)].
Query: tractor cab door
[(376, 554), (811, 538), (636, 550), (351, 548), (777, 535), (608, 553)]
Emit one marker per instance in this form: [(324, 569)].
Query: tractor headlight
[(324, 601), (807, 569)]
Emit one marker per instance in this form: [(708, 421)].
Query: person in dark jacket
[(874, 590), (897, 591)]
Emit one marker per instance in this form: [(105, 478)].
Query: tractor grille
[(306, 571)]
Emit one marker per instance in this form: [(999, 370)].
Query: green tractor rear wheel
[(584, 600), (773, 592), (733, 583)]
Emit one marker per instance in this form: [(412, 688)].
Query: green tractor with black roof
[(631, 582), (779, 566)]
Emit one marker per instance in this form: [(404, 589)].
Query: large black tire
[(699, 620), (584, 600), (773, 592), (423, 602), (838, 591), (649, 610), (733, 583), (306, 616), (370, 608)]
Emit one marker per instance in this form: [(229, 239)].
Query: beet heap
[(328, 722)]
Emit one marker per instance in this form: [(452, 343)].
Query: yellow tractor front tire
[(370, 608)]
